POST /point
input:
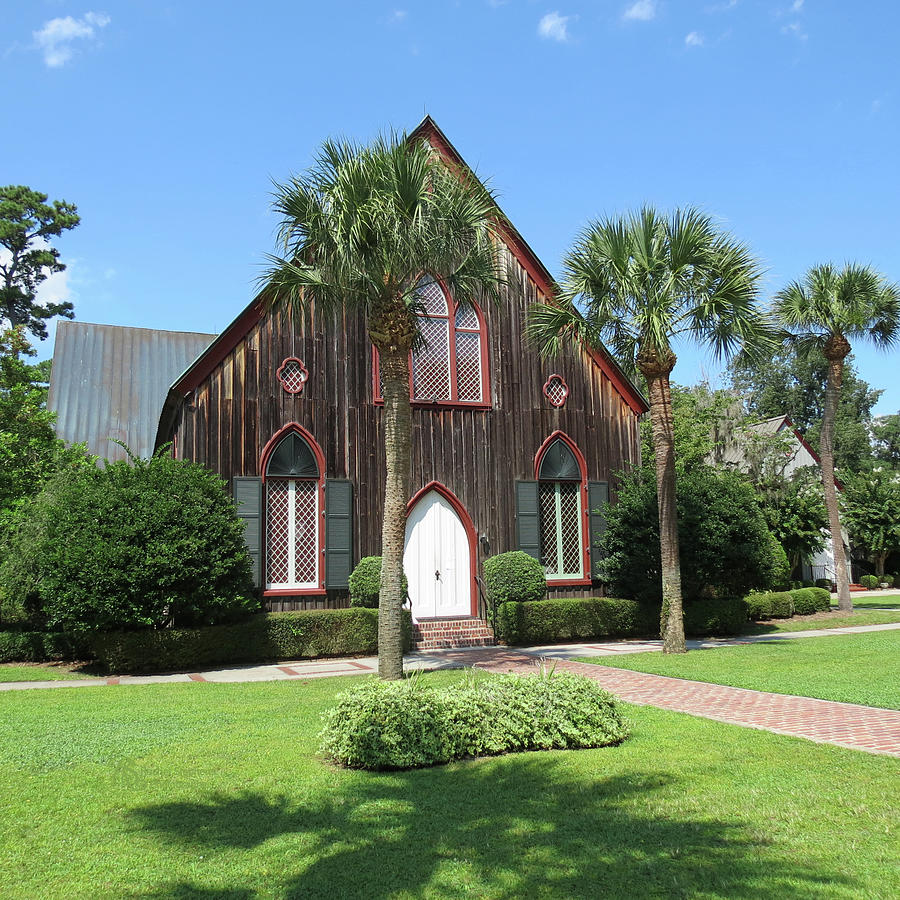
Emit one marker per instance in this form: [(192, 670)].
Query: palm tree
[(821, 314), (642, 281), (358, 232)]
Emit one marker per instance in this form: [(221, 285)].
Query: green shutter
[(598, 496), (248, 497), (528, 519), (338, 533)]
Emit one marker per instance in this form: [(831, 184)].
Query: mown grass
[(861, 601), (49, 672), (203, 790), (852, 668), (832, 619)]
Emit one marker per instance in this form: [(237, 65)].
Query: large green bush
[(270, 636), (365, 582), (514, 576), (41, 646), (726, 547), (810, 600), (772, 605), (140, 545), (728, 615), (404, 724), (549, 621), (869, 581)]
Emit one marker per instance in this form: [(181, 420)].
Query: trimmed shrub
[(869, 581), (143, 544), (514, 576), (365, 582), (41, 646), (888, 580), (811, 600), (807, 584), (781, 568), (269, 636), (716, 617), (404, 725), (773, 605), (826, 583), (549, 621)]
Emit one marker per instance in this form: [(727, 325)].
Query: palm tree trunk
[(661, 422), (832, 395), (397, 439)]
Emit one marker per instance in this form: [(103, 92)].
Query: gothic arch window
[(293, 473), (562, 483), (450, 366)]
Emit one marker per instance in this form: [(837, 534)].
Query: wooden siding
[(478, 454)]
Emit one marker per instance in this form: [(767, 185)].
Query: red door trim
[(468, 524)]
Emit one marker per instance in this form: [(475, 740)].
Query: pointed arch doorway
[(439, 555)]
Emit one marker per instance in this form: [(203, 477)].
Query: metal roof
[(109, 382), (733, 450)]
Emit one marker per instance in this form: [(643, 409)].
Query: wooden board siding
[(477, 454)]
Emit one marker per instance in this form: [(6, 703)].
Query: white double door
[(436, 560)]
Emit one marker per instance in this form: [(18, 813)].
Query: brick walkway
[(823, 721)]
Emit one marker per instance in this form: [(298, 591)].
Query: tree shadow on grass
[(515, 827)]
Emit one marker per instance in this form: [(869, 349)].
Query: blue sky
[(166, 122)]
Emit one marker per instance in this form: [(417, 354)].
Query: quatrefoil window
[(556, 390), (292, 374)]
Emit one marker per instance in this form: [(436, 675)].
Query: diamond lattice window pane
[(467, 318), (432, 298), (549, 535), (278, 539), (306, 539), (570, 524), (431, 363), (468, 366), (556, 390), (293, 375)]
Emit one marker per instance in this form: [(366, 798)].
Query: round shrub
[(869, 581), (514, 576), (811, 600), (365, 582), (826, 583), (772, 605), (144, 544), (405, 724), (888, 580)]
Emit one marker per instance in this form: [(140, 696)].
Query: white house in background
[(737, 452)]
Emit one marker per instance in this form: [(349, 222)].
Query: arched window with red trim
[(293, 475), (561, 489), (450, 365)]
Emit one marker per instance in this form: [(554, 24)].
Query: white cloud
[(398, 15), (554, 27), (796, 6), (795, 29), (56, 37), (721, 7), (694, 39), (641, 11)]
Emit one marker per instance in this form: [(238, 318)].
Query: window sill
[(294, 592), (441, 404), (568, 582)]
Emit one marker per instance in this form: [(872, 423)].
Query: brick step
[(445, 634)]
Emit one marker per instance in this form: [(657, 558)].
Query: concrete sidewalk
[(436, 659)]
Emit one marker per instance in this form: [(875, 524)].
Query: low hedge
[(811, 600), (548, 621), (268, 636), (728, 615), (407, 725), (773, 605), (41, 646)]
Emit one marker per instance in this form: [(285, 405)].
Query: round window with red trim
[(556, 390), (293, 375)]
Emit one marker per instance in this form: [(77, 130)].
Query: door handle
[(437, 575)]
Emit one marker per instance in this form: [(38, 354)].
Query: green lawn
[(862, 601), (853, 668), (833, 619), (15, 672), (203, 791)]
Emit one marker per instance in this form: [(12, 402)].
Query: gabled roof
[(109, 382), (427, 130)]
